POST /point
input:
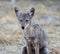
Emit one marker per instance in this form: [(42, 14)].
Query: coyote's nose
[(22, 27)]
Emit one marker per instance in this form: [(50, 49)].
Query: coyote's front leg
[(29, 51), (37, 49)]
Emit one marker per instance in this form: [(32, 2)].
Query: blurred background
[(47, 15)]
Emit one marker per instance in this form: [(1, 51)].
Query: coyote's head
[(24, 18)]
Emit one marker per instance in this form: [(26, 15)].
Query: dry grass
[(11, 39)]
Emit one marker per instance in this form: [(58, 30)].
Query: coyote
[(33, 34)]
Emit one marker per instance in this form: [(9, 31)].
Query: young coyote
[(35, 37)]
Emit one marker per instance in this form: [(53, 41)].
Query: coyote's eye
[(21, 20), (27, 20)]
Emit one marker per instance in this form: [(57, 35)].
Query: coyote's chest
[(30, 31), (30, 34)]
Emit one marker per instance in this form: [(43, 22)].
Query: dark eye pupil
[(20, 20), (26, 20)]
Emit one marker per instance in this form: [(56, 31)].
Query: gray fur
[(34, 35)]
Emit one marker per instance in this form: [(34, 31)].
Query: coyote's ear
[(31, 12), (16, 11)]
